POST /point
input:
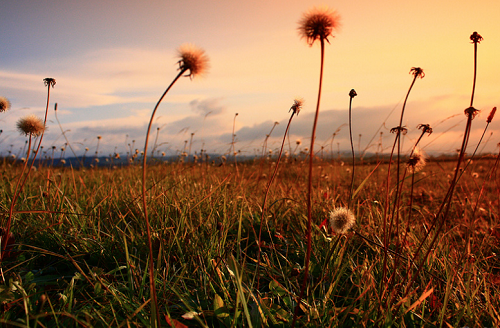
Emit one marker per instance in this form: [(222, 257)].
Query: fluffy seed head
[(341, 219), (4, 104), (31, 125), (318, 24), (193, 59), (297, 105), (417, 161)]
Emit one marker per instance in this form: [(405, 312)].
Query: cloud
[(207, 107)]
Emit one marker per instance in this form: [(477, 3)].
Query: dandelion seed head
[(471, 111), (297, 105), (30, 125), (426, 128), (417, 160), (417, 72), (49, 81), (341, 220), (4, 104), (476, 37), (192, 59), (318, 24)]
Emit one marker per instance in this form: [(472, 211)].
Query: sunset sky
[(112, 60)]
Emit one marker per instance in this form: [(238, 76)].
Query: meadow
[(81, 248), (280, 240)]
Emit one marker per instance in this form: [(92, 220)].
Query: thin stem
[(445, 205), (19, 186), (264, 208), (475, 72), (155, 315), (309, 189), (399, 129), (352, 151), (64, 135)]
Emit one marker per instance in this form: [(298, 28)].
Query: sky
[(112, 60)]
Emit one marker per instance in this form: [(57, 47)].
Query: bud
[(492, 113)]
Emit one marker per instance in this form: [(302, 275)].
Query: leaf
[(175, 323), (219, 309), (277, 289), (420, 299)]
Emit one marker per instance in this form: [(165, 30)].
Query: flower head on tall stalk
[(417, 72), (49, 82), (30, 125), (194, 61), (296, 107), (442, 213), (426, 128), (317, 24), (352, 94), (417, 160), (4, 104), (491, 115), (399, 130)]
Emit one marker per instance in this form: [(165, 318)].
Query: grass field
[(277, 241), (80, 255)]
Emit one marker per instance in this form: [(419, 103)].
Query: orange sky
[(112, 61)]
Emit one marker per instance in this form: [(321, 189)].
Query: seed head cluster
[(417, 160), (4, 104), (192, 59), (341, 220), (31, 125), (297, 105), (318, 24)]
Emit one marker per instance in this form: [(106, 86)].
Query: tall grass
[(183, 244)]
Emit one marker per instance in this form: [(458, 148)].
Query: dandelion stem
[(309, 188), (351, 95), (264, 208), (155, 315)]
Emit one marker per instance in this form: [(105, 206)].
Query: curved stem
[(475, 71), (20, 184), (155, 315), (352, 151), (262, 215), (64, 135)]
